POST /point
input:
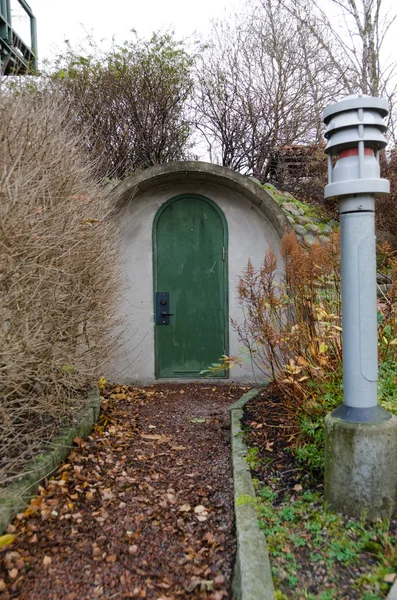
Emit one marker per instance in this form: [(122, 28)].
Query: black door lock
[(162, 308)]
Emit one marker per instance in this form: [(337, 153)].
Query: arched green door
[(190, 278)]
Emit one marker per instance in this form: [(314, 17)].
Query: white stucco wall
[(250, 235)]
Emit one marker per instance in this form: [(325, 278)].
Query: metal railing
[(16, 57)]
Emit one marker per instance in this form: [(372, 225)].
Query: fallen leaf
[(11, 557), (63, 468), (13, 573), (209, 537), (2, 585), (111, 558), (98, 590), (47, 560), (154, 436), (77, 515), (197, 420), (185, 508), (298, 487), (33, 507), (390, 577), (178, 447), (133, 549), (6, 540), (219, 595), (107, 494), (206, 585), (20, 564)]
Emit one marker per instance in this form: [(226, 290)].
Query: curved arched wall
[(254, 222)]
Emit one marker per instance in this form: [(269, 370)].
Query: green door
[(190, 256)]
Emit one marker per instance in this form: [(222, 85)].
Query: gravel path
[(141, 509)]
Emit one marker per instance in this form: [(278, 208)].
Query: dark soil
[(315, 574), (143, 508), (272, 429)]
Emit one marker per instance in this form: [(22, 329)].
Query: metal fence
[(16, 56)]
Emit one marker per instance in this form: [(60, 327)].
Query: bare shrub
[(292, 325), (292, 320), (57, 273), (131, 100), (386, 216)]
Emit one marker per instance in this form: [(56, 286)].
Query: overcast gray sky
[(60, 19)]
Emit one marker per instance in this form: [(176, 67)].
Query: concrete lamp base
[(361, 467)]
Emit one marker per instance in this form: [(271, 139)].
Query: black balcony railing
[(16, 56)]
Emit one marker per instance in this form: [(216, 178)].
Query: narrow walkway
[(141, 509)]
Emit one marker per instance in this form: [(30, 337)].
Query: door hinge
[(223, 253)]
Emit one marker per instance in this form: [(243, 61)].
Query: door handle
[(162, 308)]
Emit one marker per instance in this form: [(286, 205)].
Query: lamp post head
[(355, 133)]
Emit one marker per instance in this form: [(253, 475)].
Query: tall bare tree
[(260, 87), (354, 34)]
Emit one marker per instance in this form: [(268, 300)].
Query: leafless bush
[(57, 273), (386, 216), (131, 101), (291, 324)]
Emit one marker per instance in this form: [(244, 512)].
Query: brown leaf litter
[(143, 508)]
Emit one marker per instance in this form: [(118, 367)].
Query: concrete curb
[(252, 579), (392, 595), (17, 495)]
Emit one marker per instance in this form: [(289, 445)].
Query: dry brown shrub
[(57, 274), (386, 214), (292, 319)]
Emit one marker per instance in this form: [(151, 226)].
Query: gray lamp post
[(361, 437)]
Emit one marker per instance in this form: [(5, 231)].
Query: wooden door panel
[(190, 264)]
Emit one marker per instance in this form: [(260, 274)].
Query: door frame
[(225, 274)]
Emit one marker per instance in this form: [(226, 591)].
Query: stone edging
[(252, 579), (392, 595), (17, 495)]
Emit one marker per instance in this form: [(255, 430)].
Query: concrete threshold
[(252, 579)]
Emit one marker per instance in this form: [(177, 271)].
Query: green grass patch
[(300, 532)]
